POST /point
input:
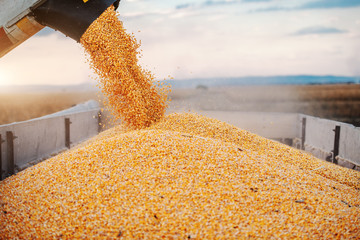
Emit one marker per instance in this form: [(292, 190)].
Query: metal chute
[(71, 17), (21, 19)]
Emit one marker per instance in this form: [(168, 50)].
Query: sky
[(209, 39)]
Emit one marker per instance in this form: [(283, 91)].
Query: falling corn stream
[(132, 94), (178, 176)]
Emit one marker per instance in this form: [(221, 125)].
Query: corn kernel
[(132, 93), (186, 176)]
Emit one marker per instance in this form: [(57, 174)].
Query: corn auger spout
[(21, 19)]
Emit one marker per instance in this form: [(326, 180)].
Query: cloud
[(331, 4), (182, 6), (257, 0), (318, 30), (272, 9), (193, 5), (211, 3), (139, 15), (318, 4), (215, 3)]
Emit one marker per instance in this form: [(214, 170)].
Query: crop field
[(338, 102), (15, 107)]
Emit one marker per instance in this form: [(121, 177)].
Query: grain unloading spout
[(71, 17), (21, 19)]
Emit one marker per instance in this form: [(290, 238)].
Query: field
[(17, 107), (338, 102)]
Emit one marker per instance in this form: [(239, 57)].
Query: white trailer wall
[(320, 137), (350, 144), (319, 133), (269, 125), (40, 138)]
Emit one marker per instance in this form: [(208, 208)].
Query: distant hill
[(198, 82), (271, 80)]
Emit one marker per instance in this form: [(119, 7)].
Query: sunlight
[(4, 78)]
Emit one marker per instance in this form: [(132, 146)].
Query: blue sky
[(210, 38)]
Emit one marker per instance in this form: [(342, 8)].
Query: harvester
[(21, 19)]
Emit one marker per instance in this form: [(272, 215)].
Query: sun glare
[(4, 78)]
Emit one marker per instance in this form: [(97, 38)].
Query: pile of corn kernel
[(185, 177), (132, 94)]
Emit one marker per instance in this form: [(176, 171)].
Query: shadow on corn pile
[(185, 177)]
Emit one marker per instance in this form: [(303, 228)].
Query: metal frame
[(67, 133)]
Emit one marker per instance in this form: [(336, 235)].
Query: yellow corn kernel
[(186, 176), (132, 94)]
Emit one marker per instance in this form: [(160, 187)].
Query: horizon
[(193, 82), (209, 39)]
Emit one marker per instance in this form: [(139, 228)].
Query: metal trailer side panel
[(83, 125), (269, 125), (349, 149)]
